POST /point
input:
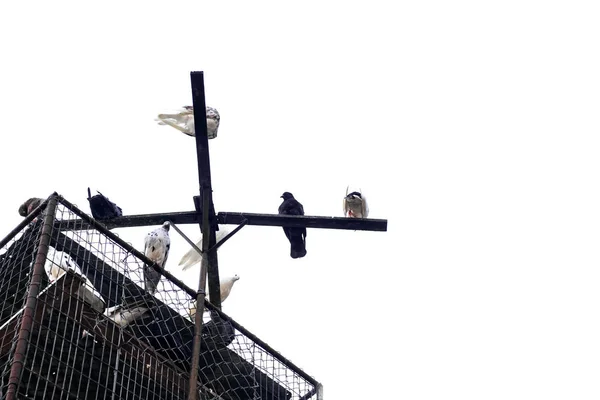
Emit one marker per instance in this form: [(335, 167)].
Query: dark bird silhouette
[(30, 205), (296, 236), (102, 207)]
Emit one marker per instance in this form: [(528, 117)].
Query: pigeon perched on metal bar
[(31, 204), (183, 121), (58, 262), (225, 285), (296, 236), (156, 247), (192, 257), (102, 207), (125, 315), (355, 205)]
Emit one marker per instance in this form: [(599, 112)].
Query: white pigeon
[(58, 262), (225, 285), (156, 247), (355, 205), (192, 257), (124, 316), (183, 121)]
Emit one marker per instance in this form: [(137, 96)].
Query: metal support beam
[(354, 224), (208, 207), (236, 218), (208, 264), (22, 342)]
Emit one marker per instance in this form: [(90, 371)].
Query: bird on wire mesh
[(225, 284), (31, 204), (102, 207), (156, 247)]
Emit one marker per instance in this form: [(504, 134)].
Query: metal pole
[(22, 343), (199, 306), (204, 179)]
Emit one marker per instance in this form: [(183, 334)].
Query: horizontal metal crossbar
[(236, 218)]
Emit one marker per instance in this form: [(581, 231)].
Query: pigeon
[(218, 332), (102, 207), (123, 316), (296, 236), (30, 205), (355, 205), (156, 248), (184, 121), (225, 285), (58, 262), (192, 257)]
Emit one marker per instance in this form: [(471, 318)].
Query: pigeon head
[(166, 225), (287, 195), (235, 278), (212, 113)]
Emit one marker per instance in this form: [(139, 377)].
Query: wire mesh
[(98, 334)]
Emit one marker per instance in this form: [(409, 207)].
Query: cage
[(76, 323)]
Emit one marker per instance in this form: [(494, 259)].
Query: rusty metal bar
[(200, 297), (22, 343)]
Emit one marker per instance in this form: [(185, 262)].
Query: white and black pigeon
[(58, 262), (31, 204), (123, 316), (183, 121), (156, 247), (355, 205), (192, 257), (296, 236), (225, 285)]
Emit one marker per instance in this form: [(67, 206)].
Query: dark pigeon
[(296, 236), (102, 207), (30, 205)]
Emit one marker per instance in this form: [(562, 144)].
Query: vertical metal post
[(208, 264), (319, 392), (199, 103), (19, 359), (193, 388)]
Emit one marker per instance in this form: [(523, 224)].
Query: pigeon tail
[(298, 244)]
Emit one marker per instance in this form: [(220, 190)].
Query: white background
[(471, 126)]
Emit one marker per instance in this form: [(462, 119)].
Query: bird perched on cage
[(102, 207), (156, 247), (355, 205), (296, 236), (225, 284), (31, 204), (183, 121), (124, 315), (192, 257), (58, 263), (218, 332)]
